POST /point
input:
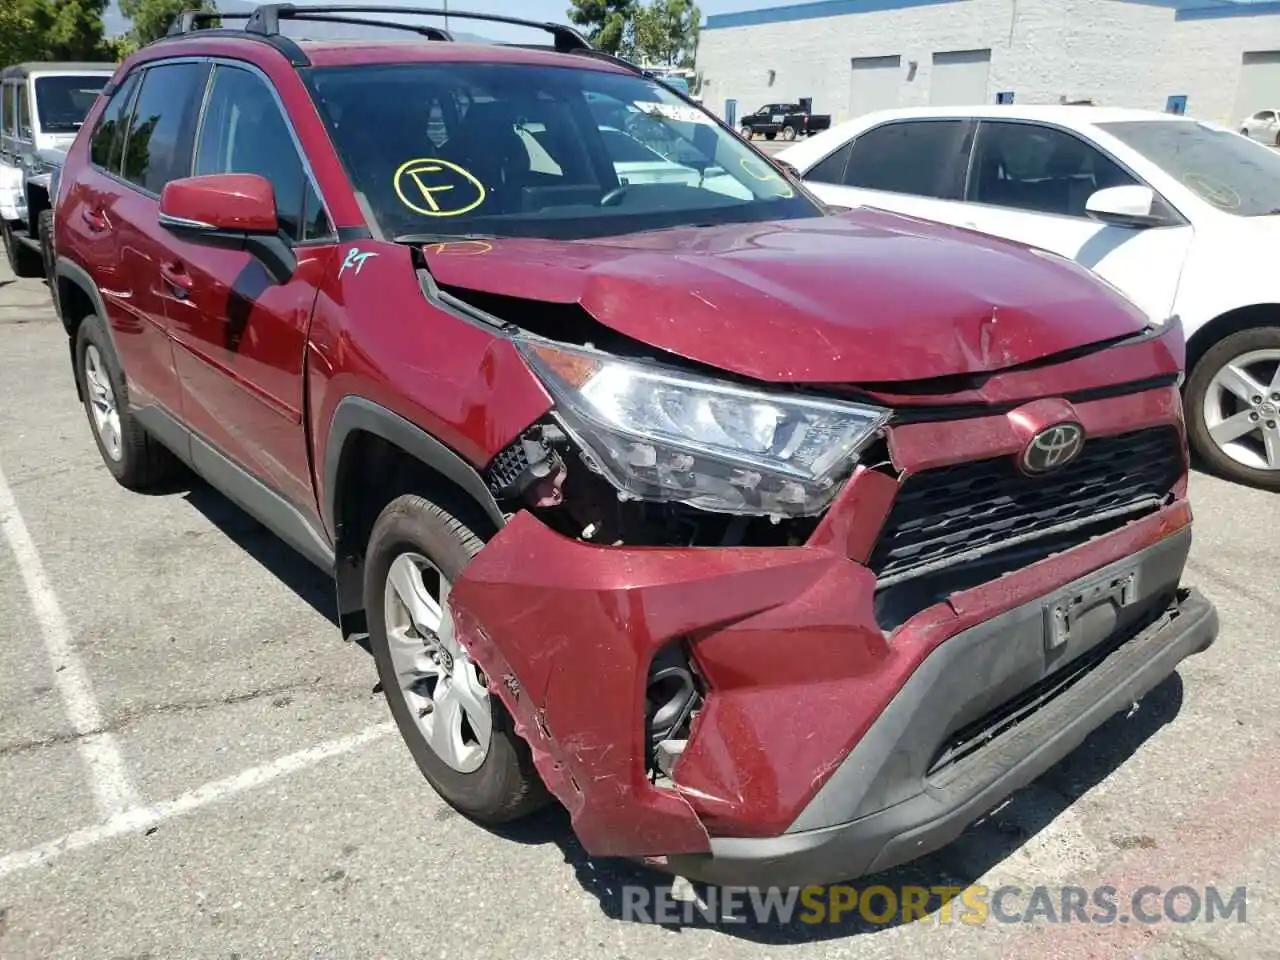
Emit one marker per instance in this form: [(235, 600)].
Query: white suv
[(1181, 216), (41, 108)]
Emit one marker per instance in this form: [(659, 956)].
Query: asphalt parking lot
[(192, 764)]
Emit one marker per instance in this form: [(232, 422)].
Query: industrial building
[(1214, 59)]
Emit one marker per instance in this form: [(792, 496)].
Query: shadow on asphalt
[(276, 556), (987, 843), (1201, 466)]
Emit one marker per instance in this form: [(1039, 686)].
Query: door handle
[(95, 219), (177, 279)]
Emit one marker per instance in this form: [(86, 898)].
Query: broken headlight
[(658, 433)]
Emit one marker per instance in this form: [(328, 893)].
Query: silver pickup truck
[(41, 108)]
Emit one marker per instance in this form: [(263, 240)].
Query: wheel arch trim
[(75, 274), (1245, 316), (358, 414)]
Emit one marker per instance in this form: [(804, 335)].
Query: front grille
[(961, 513)]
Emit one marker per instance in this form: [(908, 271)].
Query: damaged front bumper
[(893, 805), (824, 745)]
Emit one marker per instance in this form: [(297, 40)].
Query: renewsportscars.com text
[(972, 905)]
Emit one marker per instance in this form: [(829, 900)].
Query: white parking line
[(112, 789), (139, 819)]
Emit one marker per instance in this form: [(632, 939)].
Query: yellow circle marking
[(758, 171), (1219, 194), (461, 248), (418, 175)]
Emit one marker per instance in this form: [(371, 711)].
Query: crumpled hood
[(866, 296)]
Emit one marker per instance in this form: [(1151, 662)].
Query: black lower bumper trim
[(938, 814)]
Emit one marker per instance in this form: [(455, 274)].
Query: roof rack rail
[(185, 26), (265, 20), (429, 32)]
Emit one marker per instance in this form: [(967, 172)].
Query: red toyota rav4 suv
[(777, 544)]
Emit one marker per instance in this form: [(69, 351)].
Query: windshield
[(513, 150), (63, 102), (1235, 174)]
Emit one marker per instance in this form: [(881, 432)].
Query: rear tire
[(137, 460), (23, 261), (1262, 346), (788, 133), (425, 673)]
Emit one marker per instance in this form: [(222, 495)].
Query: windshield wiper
[(441, 237)]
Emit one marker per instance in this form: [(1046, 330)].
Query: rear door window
[(158, 146), (922, 158), (107, 144)]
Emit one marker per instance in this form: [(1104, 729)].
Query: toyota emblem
[(1052, 448)]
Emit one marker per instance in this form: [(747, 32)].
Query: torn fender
[(566, 632)]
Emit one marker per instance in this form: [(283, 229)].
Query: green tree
[(151, 18), (666, 32), (608, 23), (51, 30)]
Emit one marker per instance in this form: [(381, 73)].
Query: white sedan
[(1183, 217), (1263, 126)]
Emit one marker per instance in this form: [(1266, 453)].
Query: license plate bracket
[(1062, 615)]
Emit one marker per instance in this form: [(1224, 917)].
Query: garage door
[(959, 78), (1259, 84), (875, 84)]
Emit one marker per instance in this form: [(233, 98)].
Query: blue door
[(731, 112)]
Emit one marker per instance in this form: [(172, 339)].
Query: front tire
[(459, 734), (1232, 407), (23, 261), (44, 226), (137, 460), (747, 133)]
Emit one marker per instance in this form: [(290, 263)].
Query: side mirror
[(235, 211), (1131, 206)]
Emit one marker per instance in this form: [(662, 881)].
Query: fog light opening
[(672, 698)]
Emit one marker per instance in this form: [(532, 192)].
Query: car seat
[(487, 146)]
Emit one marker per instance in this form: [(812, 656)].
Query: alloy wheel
[(1242, 409), (102, 402), (444, 691)]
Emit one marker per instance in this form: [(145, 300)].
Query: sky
[(529, 9)]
